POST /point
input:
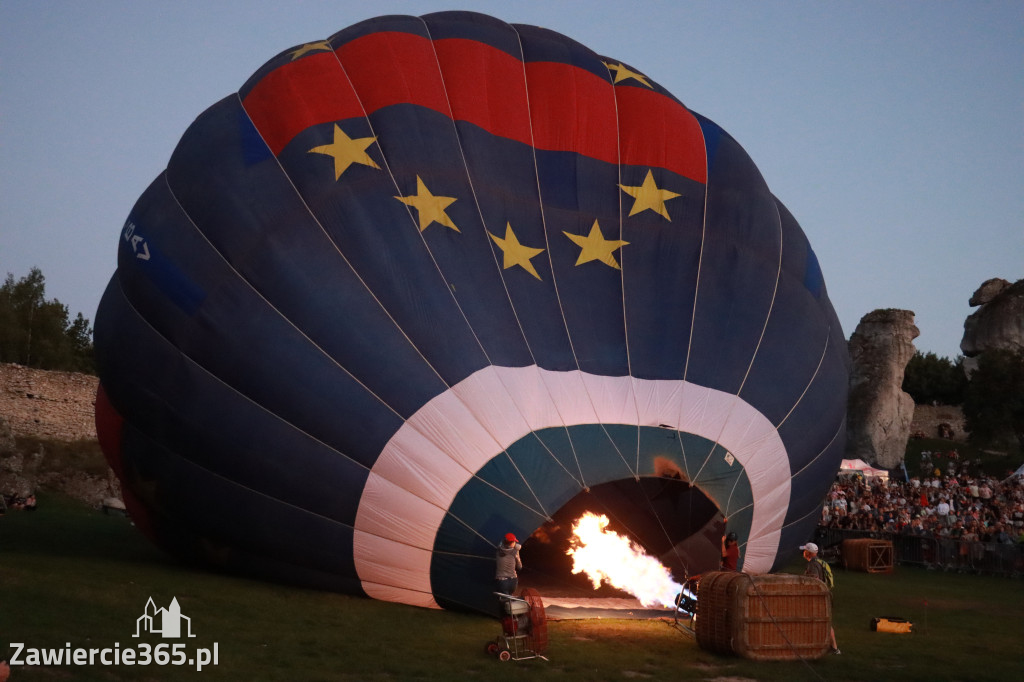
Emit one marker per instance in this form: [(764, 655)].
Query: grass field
[(72, 576)]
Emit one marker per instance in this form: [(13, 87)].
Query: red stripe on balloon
[(109, 433), (572, 109), (109, 424), (487, 87), (390, 68), (560, 123), (656, 131), (298, 95)]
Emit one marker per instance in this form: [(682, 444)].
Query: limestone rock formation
[(988, 290), (879, 413), (998, 324)]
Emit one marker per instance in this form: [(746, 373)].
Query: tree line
[(991, 395), (39, 333)]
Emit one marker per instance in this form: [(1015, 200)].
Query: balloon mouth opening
[(671, 520)]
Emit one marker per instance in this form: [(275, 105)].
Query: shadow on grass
[(64, 528)]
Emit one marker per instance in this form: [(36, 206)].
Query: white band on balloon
[(439, 449)]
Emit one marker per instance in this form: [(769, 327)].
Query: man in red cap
[(508, 563)]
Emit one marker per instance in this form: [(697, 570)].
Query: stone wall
[(928, 417), (51, 405)]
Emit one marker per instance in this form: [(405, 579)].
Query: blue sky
[(893, 131)]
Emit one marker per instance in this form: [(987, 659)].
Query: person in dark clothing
[(508, 563), (730, 552)]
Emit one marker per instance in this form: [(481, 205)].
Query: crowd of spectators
[(961, 503)]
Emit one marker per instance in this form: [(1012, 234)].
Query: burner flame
[(607, 557)]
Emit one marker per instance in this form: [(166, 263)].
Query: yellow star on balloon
[(346, 151), (622, 73), (595, 247), (516, 253), (648, 196), (431, 208), (321, 46)]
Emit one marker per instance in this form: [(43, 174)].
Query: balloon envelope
[(426, 282)]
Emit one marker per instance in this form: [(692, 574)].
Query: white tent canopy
[(1018, 472), (859, 466)]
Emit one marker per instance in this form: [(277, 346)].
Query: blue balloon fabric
[(423, 283)]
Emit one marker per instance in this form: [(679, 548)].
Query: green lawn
[(72, 576)]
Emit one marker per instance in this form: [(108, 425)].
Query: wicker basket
[(866, 554), (764, 617)]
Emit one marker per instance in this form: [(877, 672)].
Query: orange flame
[(606, 556)]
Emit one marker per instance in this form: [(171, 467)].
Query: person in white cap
[(823, 572)]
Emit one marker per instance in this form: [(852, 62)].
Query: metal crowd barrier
[(946, 554)]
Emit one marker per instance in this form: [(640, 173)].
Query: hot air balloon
[(437, 278)]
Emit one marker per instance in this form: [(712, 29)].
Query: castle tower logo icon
[(167, 622)]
